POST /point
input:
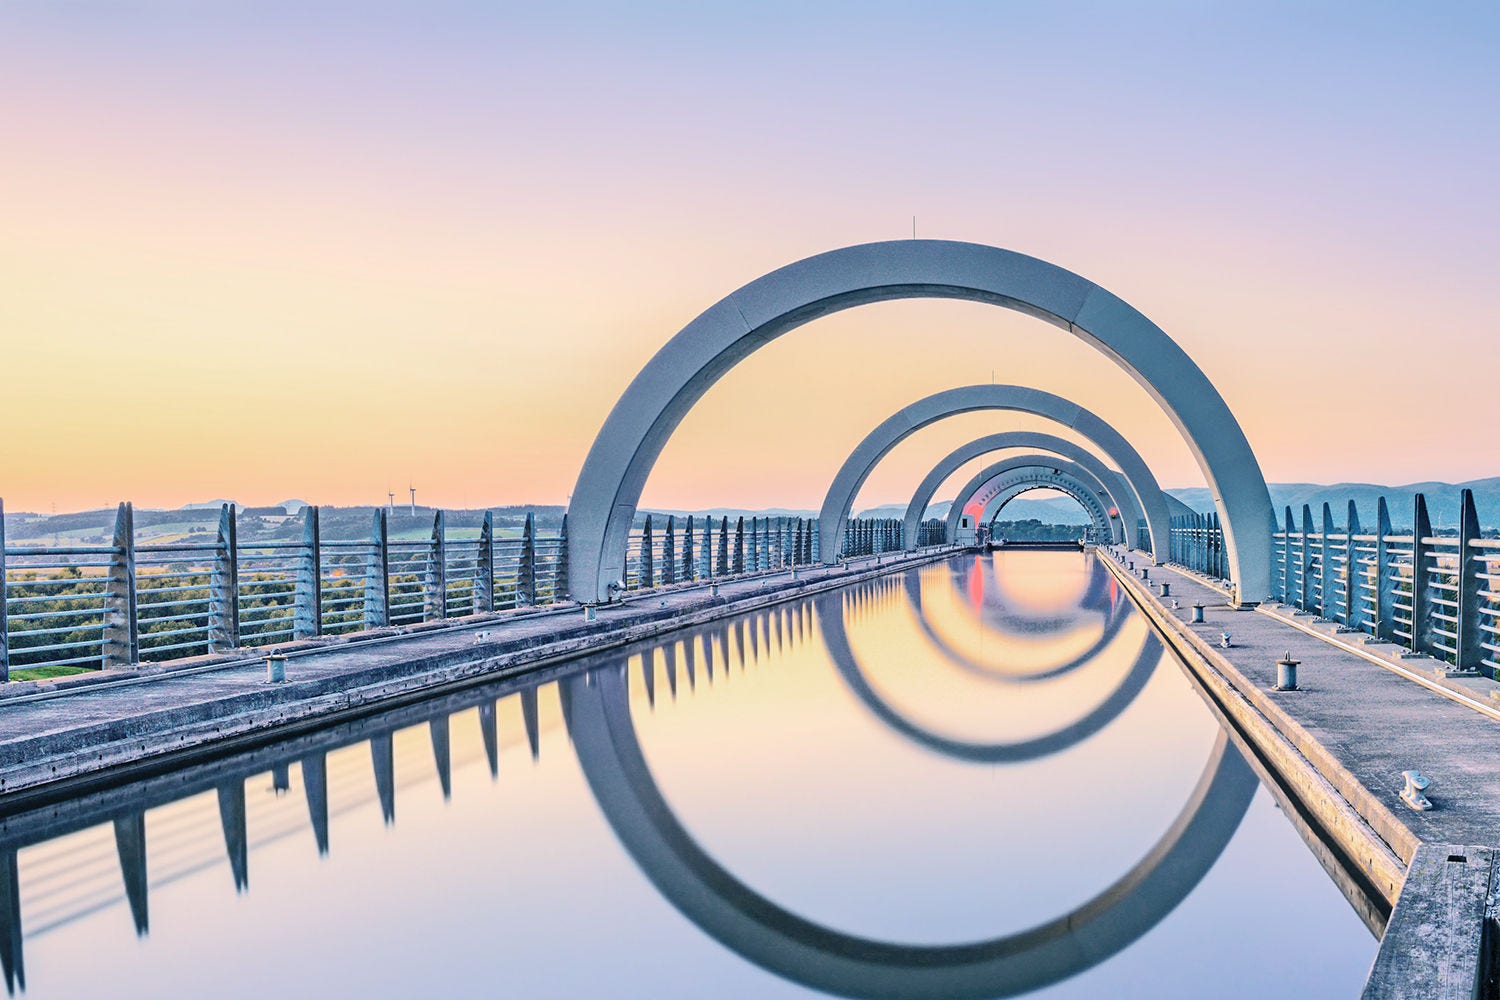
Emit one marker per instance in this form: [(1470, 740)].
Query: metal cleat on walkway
[(1412, 795)]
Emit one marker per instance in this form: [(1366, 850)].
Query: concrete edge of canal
[(1442, 900), (71, 760)]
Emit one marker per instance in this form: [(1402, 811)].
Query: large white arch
[(609, 484), (1028, 472), (1115, 483), (968, 399)]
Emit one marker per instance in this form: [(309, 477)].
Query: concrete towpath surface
[(1374, 721), (1361, 715), (55, 740)]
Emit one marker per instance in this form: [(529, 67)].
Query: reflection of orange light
[(976, 590), (1114, 512)]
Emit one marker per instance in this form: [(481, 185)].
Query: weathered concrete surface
[(1432, 946), (75, 734), (1373, 722)]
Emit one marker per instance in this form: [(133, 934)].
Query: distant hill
[(354, 522), (1442, 500), (1442, 503), (1057, 510)]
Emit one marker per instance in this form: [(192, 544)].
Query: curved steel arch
[(596, 710), (967, 399), (1039, 471), (604, 500), (1120, 490), (1027, 473)]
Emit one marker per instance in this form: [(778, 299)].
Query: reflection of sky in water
[(518, 886)]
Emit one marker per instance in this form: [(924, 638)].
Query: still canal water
[(979, 778)]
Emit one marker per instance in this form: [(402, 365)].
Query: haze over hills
[(277, 520), (1442, 503)]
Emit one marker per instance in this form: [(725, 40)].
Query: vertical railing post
[(739, 546), (648, 558), (1304, 559), (689, 567), (526, 570), (1421, 592), (377, 603), (1470, 592), (435, 580), (1353, 596), (669, 552), (4, 609), (1325, 564), (1385, 584), (1288, 594), (224, 585), (484, 566), (721, 565), (307, 603), (121, 647), (560, 577)]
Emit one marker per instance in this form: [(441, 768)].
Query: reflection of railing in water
[(824, 958), (62, 854)]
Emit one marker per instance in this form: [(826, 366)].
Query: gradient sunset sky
[(321, 250)]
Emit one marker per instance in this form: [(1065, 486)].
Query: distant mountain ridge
[(1442, 503)]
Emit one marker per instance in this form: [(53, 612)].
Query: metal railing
[(1433, 594), (703, 549), (1197, 542), (872, 536), (933, 531), (116, 604)]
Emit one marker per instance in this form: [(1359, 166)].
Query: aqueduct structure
[(604, 501)]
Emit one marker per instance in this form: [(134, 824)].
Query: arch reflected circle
[(1121, 491), (604, 500), (1114, 620), (836, 640), (597, 712)]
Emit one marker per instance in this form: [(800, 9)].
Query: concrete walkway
[(58, 740), (1361, 715), (1374, 721)]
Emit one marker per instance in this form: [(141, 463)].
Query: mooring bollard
[(590, 613), (1145, 573), (1224, 640), (713, 590), (1286, 672), (275, 667), (1412, 795), (1197, 612), (1166, 589)]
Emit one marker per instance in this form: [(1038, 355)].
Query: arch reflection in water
[(593, 701), (604, 737), (835, 638), (984, 593)]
